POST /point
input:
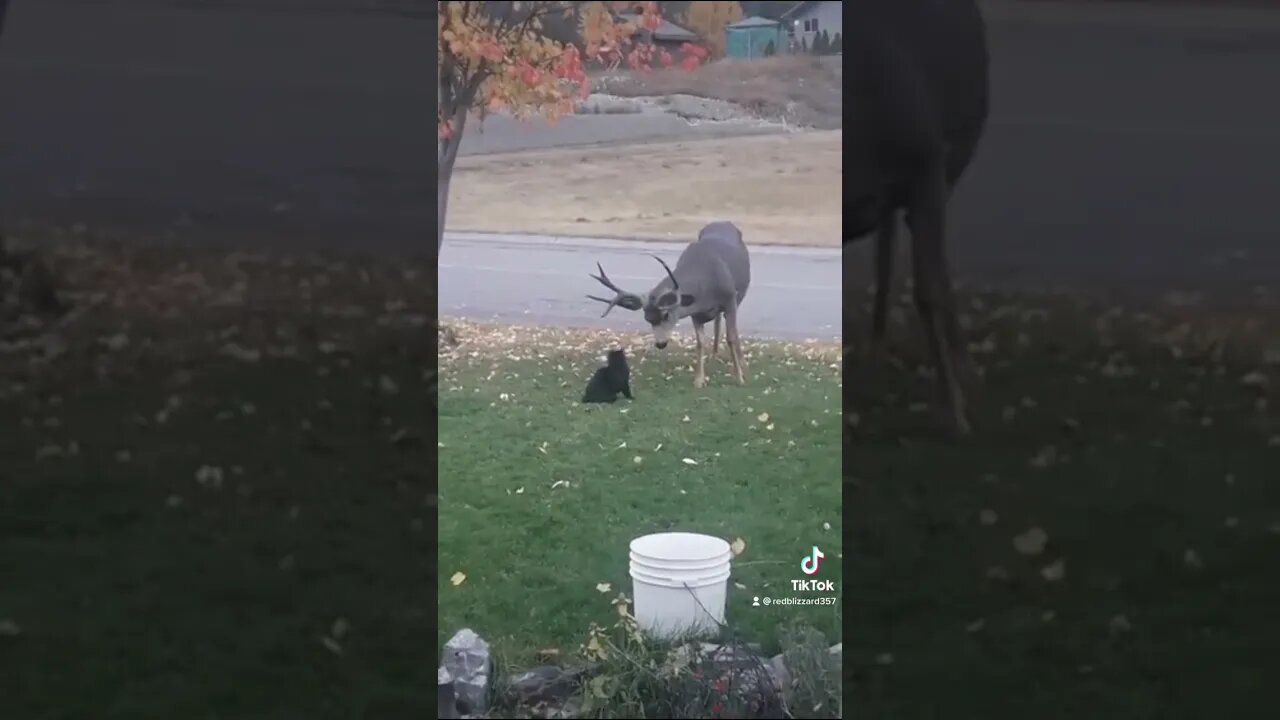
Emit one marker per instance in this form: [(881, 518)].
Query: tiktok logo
[(809, 563)]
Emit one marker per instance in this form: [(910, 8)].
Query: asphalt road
[(794, 293), (312, 127), (1131, 146)]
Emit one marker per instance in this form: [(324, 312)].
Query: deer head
[(661, 305)]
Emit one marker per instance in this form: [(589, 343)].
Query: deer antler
[(628, 300), (674, 285)]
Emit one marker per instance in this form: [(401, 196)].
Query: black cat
[(613, 378)]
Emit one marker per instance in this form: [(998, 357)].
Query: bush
[(836, 46), (627, 675), (822, 44)]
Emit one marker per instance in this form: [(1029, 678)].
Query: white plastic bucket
[(679, 582)]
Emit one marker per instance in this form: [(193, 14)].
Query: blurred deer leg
[(715, 339), (886, 235), (735, 346), (934, 298), (699, 376)]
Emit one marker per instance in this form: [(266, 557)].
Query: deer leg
[(735, 345), (700, 375), (933, 293), (886, 235), (715, 339)]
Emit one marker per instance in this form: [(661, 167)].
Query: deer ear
[(686, 300)]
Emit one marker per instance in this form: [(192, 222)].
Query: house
[(749, 38), (807, 20), (668, 36)]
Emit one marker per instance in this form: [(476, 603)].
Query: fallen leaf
[(1054, 572), (1255, 379), (996, 572), (762, 417), (987, 517), (209, 475), (240, 353), (884, 659), (458, 578), (332, 645), (738, 546), (604, 588), (9, 628), (689, 461), (1192, 559), (1031, 542), (975, 626), (1045, 457), (339, 629), (1119, 624)]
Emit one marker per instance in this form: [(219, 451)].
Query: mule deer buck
[(709, 282), (920, 101)]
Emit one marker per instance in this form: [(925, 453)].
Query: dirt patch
[(802, 90), (780, 189)]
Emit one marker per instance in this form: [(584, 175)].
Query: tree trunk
[(446, 156)]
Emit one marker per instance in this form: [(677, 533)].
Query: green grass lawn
[(287, 579), (1148, 454), (540, 495)]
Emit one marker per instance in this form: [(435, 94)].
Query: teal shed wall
[(750, 42)]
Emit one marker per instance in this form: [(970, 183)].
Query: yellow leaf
[(458, 578)]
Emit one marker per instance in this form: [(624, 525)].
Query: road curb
[(638, 244)]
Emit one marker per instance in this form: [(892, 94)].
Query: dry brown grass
[(780, 189), (805, 90)]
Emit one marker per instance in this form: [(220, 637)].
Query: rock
[(446, 700), (779, 673), (543, 684), (468, 662)]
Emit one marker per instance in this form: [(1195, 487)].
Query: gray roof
[(799, 9), (667, 30), (756, 21)]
